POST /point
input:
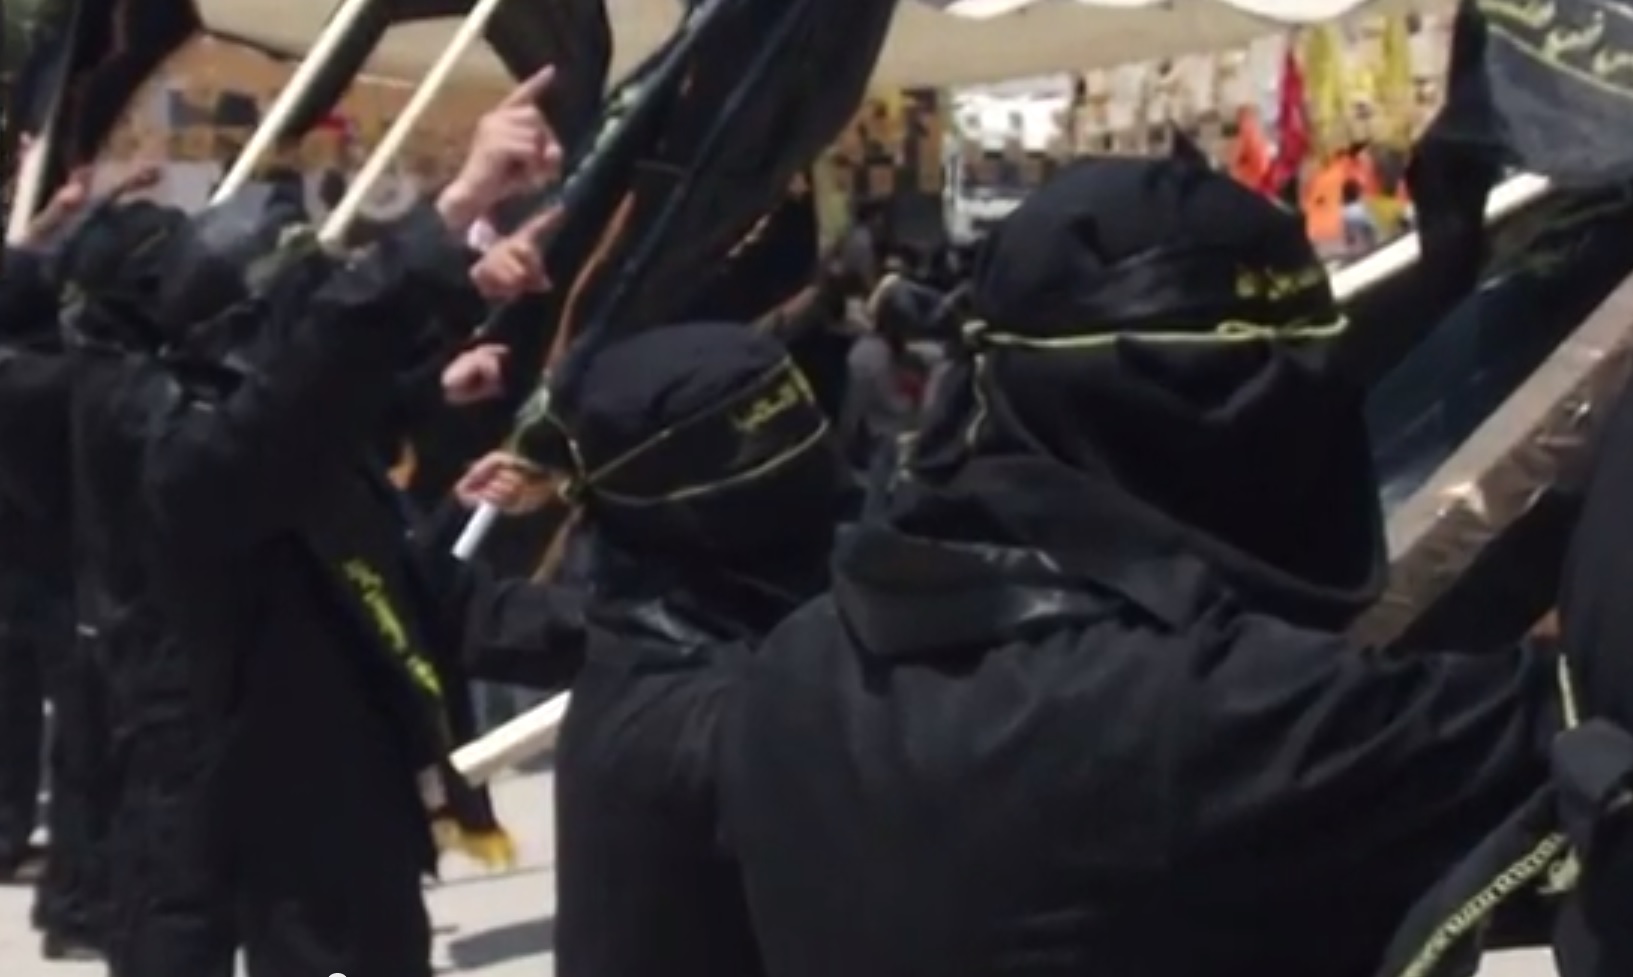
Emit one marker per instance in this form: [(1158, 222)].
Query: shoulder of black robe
[(502, 629), (1183, 750)]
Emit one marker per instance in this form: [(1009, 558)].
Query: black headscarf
[(701, 442), (111, 266), (215, 261), (1156, 328), (150, 278)]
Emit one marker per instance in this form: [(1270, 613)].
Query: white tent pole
[(475, 531), (340, 220), (523, 738), (31, 176), (341, 23), (1507, 197)]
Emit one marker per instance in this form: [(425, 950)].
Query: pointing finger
[(532, 89), (542, 223)]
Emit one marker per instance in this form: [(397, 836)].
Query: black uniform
[(166, 911), (26, 577), (250, 553), (711, 486), (1082, 704), (21, 591), (35, 489), (22, 702)]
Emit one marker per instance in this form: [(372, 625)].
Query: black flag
[(1561, 79), (573, 35), (1541, 86), (91, 56), (693, 149), (1453, 167)]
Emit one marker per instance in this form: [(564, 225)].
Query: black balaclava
[(1157, 328), (111, 266), (700, 443), (214, 262), (152, 278)]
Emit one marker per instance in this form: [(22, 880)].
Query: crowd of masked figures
[(1547, 269)]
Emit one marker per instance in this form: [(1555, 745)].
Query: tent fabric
[(932, 43)]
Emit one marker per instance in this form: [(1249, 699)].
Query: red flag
[(1292, 127), (1250, 160), (336, 125)]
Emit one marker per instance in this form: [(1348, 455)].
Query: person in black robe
[(28, 570), (290, 714), (709, 484), (1081, 701), (253, 766), (35, 488), (168, 909)]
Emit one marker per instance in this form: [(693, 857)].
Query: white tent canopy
[(934, 43)]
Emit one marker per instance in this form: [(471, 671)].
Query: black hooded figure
[(169, 910), (33, 563), (282, 723), (41, 656), (710, 485), (1081, 702)]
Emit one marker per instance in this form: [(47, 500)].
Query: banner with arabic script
[(1561, 83)]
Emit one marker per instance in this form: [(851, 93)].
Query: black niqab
[(700, 440), (1155, 327)]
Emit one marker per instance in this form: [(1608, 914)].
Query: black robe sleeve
[(1308, 763), (503, 629), (523, 633), (223, 474)]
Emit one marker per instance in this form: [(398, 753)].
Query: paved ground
[(487, 925), (490, 926)]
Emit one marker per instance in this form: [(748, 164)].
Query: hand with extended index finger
[(514, 266), (514, 150), (69, 200)]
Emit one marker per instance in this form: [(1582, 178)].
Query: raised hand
[(476, 375), (514, 266), (506, 482), (514, 150), (69, 200)]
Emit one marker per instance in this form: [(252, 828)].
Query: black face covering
[(1156, 327), (210, 264), (151, 278), (111, 266), (696, 440)]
